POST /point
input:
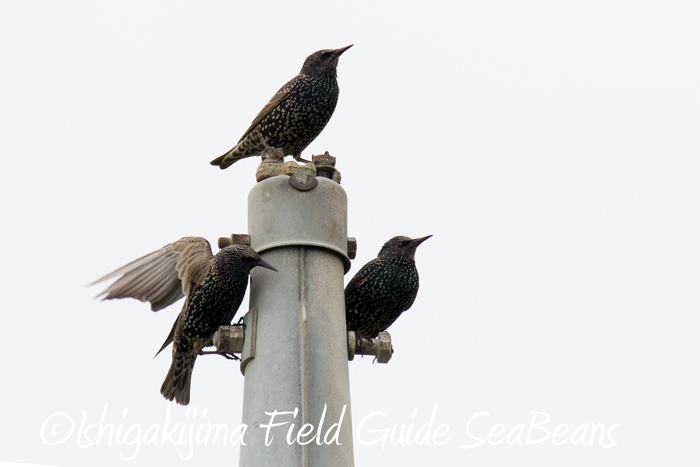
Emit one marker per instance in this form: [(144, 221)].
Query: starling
[(383, 288), (212, 304), (296, 114), (214, 286)]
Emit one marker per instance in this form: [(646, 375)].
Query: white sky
[(550, 147)]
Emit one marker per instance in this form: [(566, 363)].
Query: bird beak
[(417, 241), (264, 264), (338, 52)]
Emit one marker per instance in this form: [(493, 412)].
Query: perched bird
[(214, 286), (296, 114), (383, 288)]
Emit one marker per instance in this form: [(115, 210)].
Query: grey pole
[(300, 358)]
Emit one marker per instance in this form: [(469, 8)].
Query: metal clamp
[(309, 184), (380, 347), (239, 339), (273, 164)]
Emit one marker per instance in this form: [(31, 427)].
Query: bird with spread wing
[(213, 287)]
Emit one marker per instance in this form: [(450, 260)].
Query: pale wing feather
[(155, 277), (193, 265), (137, 276)]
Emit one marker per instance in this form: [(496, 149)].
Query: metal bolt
[(325, 166), (352, 247), (239, 338), (380, 347), (324, 160), (240, 239), (351, 345), (229, 339), (385, 350)]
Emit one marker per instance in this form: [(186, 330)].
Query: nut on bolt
[(380, 347), (241, 239), (352, 247), (325, 166), (385, 350), (229, 339)]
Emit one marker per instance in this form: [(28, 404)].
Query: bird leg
[(359, 343), (298, 158), (224, 354)]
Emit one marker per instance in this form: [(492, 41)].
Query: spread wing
[(193, 263), (163, 276)]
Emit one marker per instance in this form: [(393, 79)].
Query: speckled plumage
[(383, 288), (213, 287), (211, 305), (296, 114)]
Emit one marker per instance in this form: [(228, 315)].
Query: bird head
[(242, 257), (323, 62), (402, 246)]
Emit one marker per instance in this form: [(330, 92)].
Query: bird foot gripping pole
[(296, 401), (380, 346), (238, 338)]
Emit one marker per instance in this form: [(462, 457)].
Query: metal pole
[(301, 355)]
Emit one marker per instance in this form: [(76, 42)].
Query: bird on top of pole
[(296, 115), (383, 288), (213, 287)]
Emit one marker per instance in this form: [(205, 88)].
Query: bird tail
[(177, 382), (226, 160)]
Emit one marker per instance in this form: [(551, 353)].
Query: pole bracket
[(239, 339), (379, 346)]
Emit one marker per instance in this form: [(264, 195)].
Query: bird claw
[(226, 355), (359, 343)]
